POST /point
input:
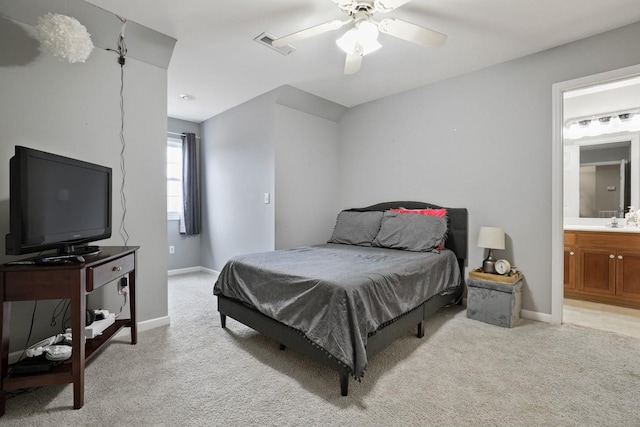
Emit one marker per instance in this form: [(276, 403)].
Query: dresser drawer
[(100, 275), (609, 240)]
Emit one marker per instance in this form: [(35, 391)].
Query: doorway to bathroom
[(593, 122)]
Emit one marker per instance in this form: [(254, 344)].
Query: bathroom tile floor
[(622, 320)]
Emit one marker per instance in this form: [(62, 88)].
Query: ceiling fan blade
[(388, 5), (309, 32), (354, 60), (411, 32)]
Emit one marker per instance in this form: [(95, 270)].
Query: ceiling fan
[(362, 38)]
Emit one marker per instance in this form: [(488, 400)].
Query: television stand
[(65, 281)]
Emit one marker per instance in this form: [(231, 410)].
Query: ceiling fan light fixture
[(362, 38), (367, 30), (365, 33)]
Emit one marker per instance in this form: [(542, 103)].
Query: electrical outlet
[(122, 283), (172, 249)]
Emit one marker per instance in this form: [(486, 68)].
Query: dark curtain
[(190, 185)]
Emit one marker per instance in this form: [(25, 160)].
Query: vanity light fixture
[(620, 121), (490, 238)]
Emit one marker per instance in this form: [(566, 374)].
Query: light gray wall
[(74, 110), (181, 126), (283, 143), (480, 141), (187, 248), (306, 178), (238, 157)]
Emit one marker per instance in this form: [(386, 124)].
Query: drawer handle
[(619, 256), (611, 256), (571, 253), (118, 268)]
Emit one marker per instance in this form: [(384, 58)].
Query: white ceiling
[(217, 61)]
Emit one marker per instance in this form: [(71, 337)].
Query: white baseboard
[(145, 326), (210, 271), (153, 323), (192, 270), (183, 271), (534, 315)]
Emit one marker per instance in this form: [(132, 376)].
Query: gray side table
[(495, 303)]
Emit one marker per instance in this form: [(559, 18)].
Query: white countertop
[(601, 228)]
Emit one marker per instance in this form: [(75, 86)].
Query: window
[(174, 178)]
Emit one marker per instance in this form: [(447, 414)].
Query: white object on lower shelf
[(97, 327)]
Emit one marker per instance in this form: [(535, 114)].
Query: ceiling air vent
[(266, 39)]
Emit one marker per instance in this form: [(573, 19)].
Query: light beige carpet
[(462, 373)]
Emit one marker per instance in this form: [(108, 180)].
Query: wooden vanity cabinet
[(606, 267), (570, 257), (628, 275), (597, 272)]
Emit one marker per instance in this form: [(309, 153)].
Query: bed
[(385, 270)]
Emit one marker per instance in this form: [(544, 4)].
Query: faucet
[(614, 222)]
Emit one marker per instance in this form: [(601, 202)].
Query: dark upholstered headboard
[(457, 218)]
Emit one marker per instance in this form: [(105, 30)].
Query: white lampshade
[(491, 237)]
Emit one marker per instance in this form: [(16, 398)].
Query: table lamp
[(490, 238)]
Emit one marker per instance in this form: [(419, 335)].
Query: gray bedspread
[(337, 295)]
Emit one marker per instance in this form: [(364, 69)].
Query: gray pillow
[(411, 232), (356, 228)]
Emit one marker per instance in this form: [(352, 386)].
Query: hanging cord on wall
[(122, 52)]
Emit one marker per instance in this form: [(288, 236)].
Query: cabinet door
[(628, 274), (597, 271), (570, 257)]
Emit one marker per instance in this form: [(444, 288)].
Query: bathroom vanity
[(602, 264)]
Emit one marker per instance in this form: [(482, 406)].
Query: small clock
[(503, 266)]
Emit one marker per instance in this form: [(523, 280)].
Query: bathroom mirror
[(601, 176)]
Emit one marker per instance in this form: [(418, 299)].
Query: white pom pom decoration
[(64, 37)]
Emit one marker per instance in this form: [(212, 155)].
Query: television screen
[(56, 202)]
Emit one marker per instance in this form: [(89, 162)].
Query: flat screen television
[(57, 203)]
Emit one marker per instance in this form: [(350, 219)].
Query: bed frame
[(457, 238)]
